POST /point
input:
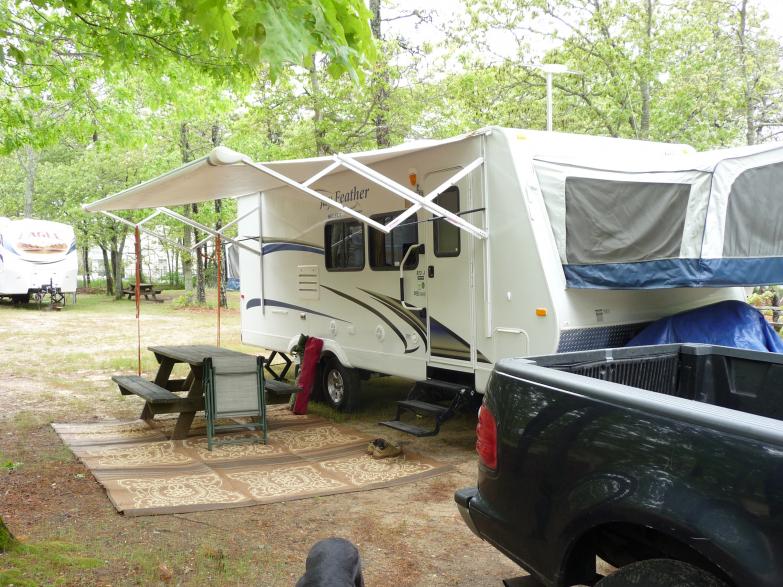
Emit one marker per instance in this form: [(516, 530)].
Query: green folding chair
[(234, 388)]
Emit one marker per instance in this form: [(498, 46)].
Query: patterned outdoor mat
[(144, 473)]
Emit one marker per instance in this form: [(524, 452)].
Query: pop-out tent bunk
[(689, 219)]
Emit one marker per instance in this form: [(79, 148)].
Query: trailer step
[(423, 408), (438, 391), (408, 428)]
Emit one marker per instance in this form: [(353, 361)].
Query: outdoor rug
[(145, 473)]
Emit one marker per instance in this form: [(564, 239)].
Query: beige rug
[(144, 473)]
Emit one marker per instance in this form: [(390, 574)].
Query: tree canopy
[(98, 96)]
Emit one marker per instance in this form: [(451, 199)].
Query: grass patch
[(44, 563)]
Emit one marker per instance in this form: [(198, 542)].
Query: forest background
[(99, 96)]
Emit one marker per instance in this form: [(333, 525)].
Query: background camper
[(36, 257), (434, 259)]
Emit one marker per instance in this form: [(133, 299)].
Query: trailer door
[(448, 254)]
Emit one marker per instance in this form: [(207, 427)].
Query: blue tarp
[(730, 323)]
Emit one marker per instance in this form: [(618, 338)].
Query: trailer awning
[(226, 174)]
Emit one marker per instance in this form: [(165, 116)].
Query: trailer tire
[(660, 572), (340, 386)]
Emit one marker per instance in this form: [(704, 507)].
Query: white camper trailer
[(36, 257), (433, 259)]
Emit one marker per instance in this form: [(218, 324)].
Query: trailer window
[(387, 250), (344, 245), (446, 235)]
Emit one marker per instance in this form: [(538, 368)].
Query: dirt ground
[(56, 367)]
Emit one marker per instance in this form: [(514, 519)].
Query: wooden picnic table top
[(193, 354)]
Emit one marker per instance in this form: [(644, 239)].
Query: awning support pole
[(436, 192)]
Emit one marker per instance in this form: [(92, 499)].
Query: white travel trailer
[(36, 257), (431, 260)]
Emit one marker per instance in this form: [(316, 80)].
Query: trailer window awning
[(227, 174)]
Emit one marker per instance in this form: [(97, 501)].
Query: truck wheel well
[(620, 543)]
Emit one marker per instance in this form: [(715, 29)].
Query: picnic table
[(145, 289), (161, 395)]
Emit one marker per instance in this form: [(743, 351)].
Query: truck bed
[(746, 381)]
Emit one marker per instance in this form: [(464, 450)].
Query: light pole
[(550, 69)]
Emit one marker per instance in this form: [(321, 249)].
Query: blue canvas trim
[(282, 246), (667, 273)]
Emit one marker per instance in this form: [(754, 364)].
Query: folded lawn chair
[(234, 387)]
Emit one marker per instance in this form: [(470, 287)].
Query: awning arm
[(146, 231), (409, 195), (436, 192), (198, 226), (303, 187), (221, 230)]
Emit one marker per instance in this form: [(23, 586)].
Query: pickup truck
[(665, 461)]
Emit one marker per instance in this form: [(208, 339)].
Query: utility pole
[(550, 70)]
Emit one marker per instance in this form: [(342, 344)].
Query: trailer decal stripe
[(256, 302), (445, 343), (395, 306), (288, 246), (374, 311)]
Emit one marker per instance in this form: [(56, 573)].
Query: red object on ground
[(308, 373)]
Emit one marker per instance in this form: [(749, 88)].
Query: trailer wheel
[(660, 572), (340, 385)]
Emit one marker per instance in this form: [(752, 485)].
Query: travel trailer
[(37, 258), (433, 259)]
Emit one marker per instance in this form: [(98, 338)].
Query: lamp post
[(551, 69)]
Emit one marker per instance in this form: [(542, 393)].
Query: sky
[(445, 10)]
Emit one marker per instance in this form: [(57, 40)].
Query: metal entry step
[(442, 391)]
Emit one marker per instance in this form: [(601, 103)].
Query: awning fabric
[(222, 174), (684, 220)]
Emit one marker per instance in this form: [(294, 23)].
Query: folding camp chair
[(234, 387)]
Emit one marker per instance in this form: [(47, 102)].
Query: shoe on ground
[(387, 451), (377, 443)]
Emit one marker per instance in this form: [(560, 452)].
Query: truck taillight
[(487, 438)]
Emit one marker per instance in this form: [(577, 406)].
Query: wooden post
[(138, 297), (218, 247)]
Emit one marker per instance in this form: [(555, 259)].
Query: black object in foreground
[(665, 461), (333, 562)]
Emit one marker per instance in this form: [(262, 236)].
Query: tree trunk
[(201, 294), (222, 300), (28, 159), (380, 82), (187, 262), (644, 85), (321, 148), (116, 274), (221, 294), (107, 269), (750, 123), (86, 262), (118, 244)]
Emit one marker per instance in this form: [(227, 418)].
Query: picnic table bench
[(160, 396), (145, 289)]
